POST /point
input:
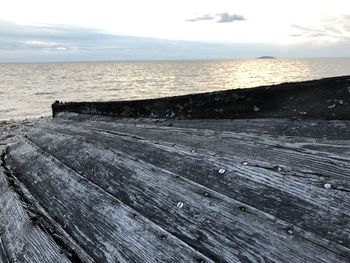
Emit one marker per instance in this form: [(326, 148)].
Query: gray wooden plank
[(106, 228), (244, 145), (298, 129), (318, 135), (21, 239), (269, 130), (310, 208), (339, 149), (312, 167), (300, 186)]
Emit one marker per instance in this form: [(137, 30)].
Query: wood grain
[(154, 192), (146, 190), (105, 227), (21, 239), (295, 197)]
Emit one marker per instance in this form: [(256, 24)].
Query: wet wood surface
[(166, 190)]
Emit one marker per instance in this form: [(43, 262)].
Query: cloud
[(220, 18), (334, 29), (200, 18), (48, 43), (228, 18), (23, 43), (53, 38)]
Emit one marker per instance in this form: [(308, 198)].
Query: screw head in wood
[(279, 169), (289, 231), (242, 208), (327, 186), (180, 205), (222, 171), (245, 163)]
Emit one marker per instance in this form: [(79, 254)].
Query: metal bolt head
[(242, 208), (279, 169), (290, 232), (222, 171), (327, 186), (180, 205)]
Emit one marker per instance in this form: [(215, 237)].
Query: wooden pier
[(253, 175)]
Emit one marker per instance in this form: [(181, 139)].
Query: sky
[(75, 30)]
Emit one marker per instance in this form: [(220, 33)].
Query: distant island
[(266, 57)]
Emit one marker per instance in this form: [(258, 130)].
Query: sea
[(27, 90)]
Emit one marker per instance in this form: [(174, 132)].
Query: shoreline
[(11, 130)]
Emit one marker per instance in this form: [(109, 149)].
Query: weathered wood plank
[(131, 143), (106, 228), (20, 239), (210, 222), (236, 144), (280, 193), (299, 129), (318, 130)]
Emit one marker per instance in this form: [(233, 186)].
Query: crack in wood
[(3, 253)]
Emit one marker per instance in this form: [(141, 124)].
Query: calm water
[(27, 90)]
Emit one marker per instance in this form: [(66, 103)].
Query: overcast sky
[(63, 30)]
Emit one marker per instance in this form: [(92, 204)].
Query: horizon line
[(165, 60)]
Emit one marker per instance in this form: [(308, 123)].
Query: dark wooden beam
[(317, 99)]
